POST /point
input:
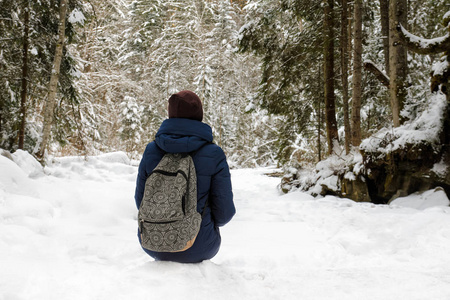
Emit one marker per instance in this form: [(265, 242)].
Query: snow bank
[(75, 238), (424, 200), (27, 163), (14, 179), (103, 167)]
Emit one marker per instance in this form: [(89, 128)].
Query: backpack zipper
[(170, 173)]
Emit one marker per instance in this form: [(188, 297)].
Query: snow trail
[(69, 232)]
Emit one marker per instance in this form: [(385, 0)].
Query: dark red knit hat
[(185, 104)]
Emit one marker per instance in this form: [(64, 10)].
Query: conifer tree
[(384, 18), (344, 72), (357, 74), (289, 38), (24, 88), (25, 76), (329, 77), (397, 60)]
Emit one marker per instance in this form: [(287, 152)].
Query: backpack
[(168, 217)]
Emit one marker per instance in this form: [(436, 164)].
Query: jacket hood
[(182, 135)]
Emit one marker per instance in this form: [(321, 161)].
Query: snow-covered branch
[(380, 75), (422, 45)]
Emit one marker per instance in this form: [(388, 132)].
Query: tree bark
[(357, 74), (330, 109), (344, 66), (319, 121), (350, 34), (24, 88), (384, 13), (51, 99), (397, 59)]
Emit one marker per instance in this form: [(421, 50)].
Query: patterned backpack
[(168, 217)]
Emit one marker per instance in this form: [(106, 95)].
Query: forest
[(349, 97)]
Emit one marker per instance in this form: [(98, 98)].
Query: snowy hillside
[(69, 232)]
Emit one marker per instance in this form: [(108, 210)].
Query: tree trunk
[(384, 13), (23, 93), (319, 121), (357, 75), (350, 34), (51, 99), (397, 59), (344, 66), (330, 109)]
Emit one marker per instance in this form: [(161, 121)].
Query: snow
[(447, 15), (34, 51), (77, 16), (68, 231), (424, 43), (424, 200), (439, 67), (424, 129), (326, 171), (440, 169)]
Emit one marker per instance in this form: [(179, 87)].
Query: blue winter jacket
[(213, 182)]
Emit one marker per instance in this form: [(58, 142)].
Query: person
[(184, 132)]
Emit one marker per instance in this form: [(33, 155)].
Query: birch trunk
[(51, 99)]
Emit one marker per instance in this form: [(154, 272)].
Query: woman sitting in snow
[(184, 132)]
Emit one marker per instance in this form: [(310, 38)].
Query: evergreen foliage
[(43, 23), (288, 36)]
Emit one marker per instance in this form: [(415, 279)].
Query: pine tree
[(344, 72), (31, 25), (24, 88), (11, 46), (357, 74), (397, 60), (288, 37), (384, 18), (131, 127), (329, 77)]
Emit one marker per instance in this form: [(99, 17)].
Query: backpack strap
[(204, 208)]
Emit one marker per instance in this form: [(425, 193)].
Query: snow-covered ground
[(69, 232)]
